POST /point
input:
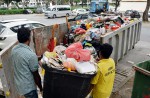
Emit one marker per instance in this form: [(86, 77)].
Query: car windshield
[(2, 28), (48, 9)]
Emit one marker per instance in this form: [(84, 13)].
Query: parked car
[(27, 11), (149, 14), (40, 10), (9, 28), (132, 14), (79, 11), (58, 11), (84, 16)]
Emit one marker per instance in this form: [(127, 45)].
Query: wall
[(139, 6)]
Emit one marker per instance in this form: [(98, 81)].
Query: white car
[(79, 11), (58, 11), (8, 30)]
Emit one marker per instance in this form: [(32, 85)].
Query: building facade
[(138, 5)]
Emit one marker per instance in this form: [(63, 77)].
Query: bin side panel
[(5, 56), (41, 37), (123, 39), (141, 87), (65, 86)]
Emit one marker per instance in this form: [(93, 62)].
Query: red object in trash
[(113, 28), (51, 45), (77, 52), (78, 29), (106, 26), (98, 20), (118, 24)]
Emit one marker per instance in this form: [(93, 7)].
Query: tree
[(117, 4), (145, 14), (7, 2), (83, 2), (76, 1)]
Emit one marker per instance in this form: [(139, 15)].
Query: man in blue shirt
[(25, 63)]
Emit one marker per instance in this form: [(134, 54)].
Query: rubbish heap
[(78, 52)]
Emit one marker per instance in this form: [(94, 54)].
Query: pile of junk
[(70, 66)]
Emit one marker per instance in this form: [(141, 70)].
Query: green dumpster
[(141, 87)]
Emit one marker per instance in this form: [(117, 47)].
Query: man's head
[(23, 35), (105, 51)]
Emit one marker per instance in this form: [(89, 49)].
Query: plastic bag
[(77, 52), (70, 64), (85, 68), (59, 49)]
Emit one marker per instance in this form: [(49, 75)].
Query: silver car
[(8, 30)]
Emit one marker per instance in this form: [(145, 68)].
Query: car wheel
[(2, 38), (48, 17), (54, 16), (67, 14)]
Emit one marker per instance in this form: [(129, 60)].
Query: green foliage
[(13, 11), (34, 10)]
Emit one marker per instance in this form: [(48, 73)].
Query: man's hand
[(37, 80), (40, 63)]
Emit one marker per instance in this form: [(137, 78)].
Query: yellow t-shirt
[(104, 79)]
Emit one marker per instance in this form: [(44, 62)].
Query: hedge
[(13, 11)]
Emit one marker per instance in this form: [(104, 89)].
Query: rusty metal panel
[(42, 36)]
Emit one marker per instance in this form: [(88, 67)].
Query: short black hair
[(23, 34), (106, 50)]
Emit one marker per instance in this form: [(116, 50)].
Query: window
[(15, 28), (2, 28), (128, 12), (84, 16), (54, 9), (63, 8), (37, 25), (82, 10), (48, 9), (136, 12), (78, 17)]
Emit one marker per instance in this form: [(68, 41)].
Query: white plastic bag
[(85, 67)]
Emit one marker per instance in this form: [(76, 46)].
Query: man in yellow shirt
[(102, 83)]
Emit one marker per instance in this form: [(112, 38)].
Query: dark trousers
[(32, 94)]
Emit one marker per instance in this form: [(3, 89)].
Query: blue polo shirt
[(25, 62)]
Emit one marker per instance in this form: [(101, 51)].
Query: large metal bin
[(122, 40)]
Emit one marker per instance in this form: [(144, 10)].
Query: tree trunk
[(117, 4), (145, 14), (71, 2), (76, 3), (82, 3)]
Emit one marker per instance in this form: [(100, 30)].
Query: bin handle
[(145, 72)]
